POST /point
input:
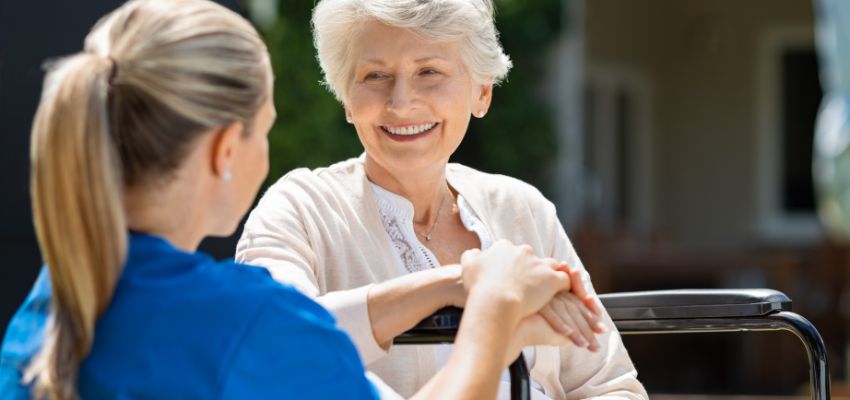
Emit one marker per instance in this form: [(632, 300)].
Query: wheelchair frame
[(670, 311)]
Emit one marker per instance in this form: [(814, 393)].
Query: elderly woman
[(367, 237)]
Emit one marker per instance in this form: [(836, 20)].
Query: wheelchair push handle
[(441, 327)]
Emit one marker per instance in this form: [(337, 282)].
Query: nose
[(403, 97)]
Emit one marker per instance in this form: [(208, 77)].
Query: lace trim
[(405, 250), (396, 215)]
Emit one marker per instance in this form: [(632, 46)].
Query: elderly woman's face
[(411, 98)]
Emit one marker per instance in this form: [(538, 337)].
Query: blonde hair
[(153, 76), (336, 24)]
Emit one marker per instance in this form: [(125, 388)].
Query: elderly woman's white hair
[(336, 24)]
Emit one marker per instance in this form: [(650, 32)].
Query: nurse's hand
[(513, 273)]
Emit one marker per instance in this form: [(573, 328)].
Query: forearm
[(399, 304), (481, 347)]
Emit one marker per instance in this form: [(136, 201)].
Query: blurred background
[(675, 136)]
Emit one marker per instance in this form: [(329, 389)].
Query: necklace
[(427, 235)]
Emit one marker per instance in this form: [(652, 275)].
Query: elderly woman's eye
[(373, 76), (429, 71)]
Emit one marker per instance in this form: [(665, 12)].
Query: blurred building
[(695, 130)]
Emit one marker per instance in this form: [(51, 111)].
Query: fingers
[(579, 307), (582, 323), (592, 303), (564, 312), (470, 256), (555, 320), (567, 314), (577, 287), (578, 284), (560, 280)]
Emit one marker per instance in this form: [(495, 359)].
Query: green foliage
[(310, 130), (515, 138)]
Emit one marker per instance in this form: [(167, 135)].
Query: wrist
[(506, 304), (453, 292)]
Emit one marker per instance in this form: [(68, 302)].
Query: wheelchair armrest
[(439, 327), (668, 311), (694, 303)]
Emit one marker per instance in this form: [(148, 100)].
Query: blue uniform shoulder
[(300, 351), (23, 337)]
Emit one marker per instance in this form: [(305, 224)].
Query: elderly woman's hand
[(533, 330), (575, 313)]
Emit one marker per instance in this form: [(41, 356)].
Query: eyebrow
[(374, 61), (381, 63), (429, 58)]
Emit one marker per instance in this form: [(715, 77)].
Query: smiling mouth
[(412, 130)]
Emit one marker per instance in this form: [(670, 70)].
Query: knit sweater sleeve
[(608, 373), (277, 236)]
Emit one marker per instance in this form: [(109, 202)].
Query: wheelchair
[(669, 311)]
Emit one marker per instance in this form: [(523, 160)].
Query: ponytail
[(79, 215), (154, 76)]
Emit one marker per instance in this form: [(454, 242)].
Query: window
[(789, 95), (617, 149)]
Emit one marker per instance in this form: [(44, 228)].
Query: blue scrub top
[(182, 325)]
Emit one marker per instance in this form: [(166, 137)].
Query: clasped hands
[(556, 308)]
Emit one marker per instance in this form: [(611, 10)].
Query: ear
[(224, 147), (483, 96), (348, 116)]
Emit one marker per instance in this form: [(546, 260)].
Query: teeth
[(410, 130)]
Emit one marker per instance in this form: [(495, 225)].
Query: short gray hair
[(336, 23)]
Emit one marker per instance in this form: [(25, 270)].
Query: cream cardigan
[(321, 232)]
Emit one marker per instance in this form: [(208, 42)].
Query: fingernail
[(594, 345), (601, 327), (580, 342)]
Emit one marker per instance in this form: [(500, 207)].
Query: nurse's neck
[(175, 211)]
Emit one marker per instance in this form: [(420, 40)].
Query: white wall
[(699, 58)]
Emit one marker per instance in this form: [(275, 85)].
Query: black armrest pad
[(444, 318), (439, 327), (694, 303)]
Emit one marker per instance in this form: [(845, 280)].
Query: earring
[(480, 114), (226, 176)]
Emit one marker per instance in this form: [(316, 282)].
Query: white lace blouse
[(397, 217)]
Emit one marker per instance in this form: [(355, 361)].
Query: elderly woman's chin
[(413, 156)]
